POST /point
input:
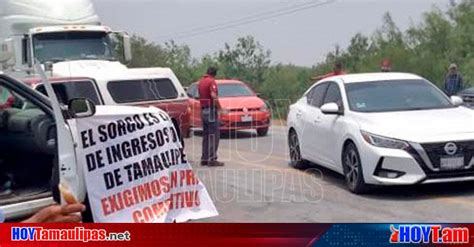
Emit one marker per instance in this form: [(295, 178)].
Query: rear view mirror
[(7, 53), (81, 108), (456, 100)]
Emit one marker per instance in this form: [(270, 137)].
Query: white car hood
[(427, 126)]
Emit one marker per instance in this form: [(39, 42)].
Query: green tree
[(247, 60)]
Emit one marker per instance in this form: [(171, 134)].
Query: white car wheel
[(353, 169), (296, 160)]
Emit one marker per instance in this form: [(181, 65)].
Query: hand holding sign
[(67, 195)]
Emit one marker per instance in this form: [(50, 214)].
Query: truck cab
[(53, 45), (53, 31), (69, 41)]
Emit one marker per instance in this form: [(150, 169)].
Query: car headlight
[(224, 111), (264, 108), (384, 142)]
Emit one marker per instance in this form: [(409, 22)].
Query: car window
[(395, 95), (234, 90), (315, 96), (333, 95), (65, 91), (142, 90), (28, 147)]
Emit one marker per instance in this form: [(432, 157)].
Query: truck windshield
[(75, 45)]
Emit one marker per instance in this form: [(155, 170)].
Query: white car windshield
[(395, 95)]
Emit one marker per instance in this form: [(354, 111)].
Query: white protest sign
[(136, 170)]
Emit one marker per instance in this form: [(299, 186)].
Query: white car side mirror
[(331, 109), (456, 100)]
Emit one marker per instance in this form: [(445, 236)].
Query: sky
[(302, 37)]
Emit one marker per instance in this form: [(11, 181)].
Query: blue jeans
[(210, 134)]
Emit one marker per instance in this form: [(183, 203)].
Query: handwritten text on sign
[(136, 170)]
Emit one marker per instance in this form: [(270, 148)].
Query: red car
[(241, 107)]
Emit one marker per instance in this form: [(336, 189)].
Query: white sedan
[(383, 129)]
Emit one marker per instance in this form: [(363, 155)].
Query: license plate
[(452, 163), (246, 119)]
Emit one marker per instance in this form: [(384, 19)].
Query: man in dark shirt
[(208, 97), (453, 84)]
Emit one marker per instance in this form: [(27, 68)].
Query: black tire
[(352, 167), (262, 132), (296, 160)]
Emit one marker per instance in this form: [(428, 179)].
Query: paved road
[(257, 185)]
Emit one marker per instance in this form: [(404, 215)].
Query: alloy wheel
[(352, 164)]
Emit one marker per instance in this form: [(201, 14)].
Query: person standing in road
[(453, 82), (208, 97)]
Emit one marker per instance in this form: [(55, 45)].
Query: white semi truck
[(54, 32), (68, 39)]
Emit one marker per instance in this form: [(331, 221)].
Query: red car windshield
[(234, 90)]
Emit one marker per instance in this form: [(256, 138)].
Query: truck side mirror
[(81, 108), (7, 52), (127, 48)]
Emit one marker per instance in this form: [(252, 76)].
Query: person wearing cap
[(453, 82), (386, 66), (337, 70)]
